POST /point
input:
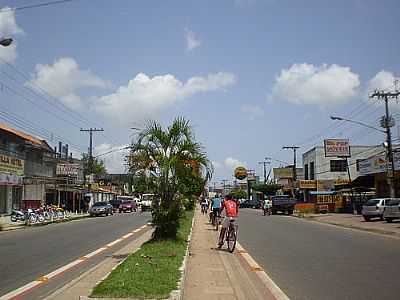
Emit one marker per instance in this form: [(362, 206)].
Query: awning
[(322, 192), (366, 182)]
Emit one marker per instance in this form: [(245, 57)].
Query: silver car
[(374, 208), (101, 208), (392, 210)]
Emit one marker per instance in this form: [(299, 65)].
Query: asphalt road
[(309, 260), (27, 254)]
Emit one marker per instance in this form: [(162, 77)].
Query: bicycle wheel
[(231, 238)]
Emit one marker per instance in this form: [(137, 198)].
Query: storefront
[(11, 175)]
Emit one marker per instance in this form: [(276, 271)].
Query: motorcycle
[(17, 215)]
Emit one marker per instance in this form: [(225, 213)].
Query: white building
[(318, 167)]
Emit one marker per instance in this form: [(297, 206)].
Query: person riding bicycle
[(231, 212), (204, 205), (216, 203), (267, 206)]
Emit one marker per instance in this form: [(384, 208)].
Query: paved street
[(30, 253), (309, 260)]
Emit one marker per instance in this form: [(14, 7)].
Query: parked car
[(374, 208), (101, 208), (392, 210), (147, 201), (127, 206), (283, 204), (115, 204)]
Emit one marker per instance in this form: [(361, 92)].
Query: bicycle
[(231, 235)]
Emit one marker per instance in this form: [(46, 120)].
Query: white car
[(392, 210), (374, 208)]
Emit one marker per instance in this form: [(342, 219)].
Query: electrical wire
[(43, 4)]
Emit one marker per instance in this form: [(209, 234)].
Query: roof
[(21, 134)]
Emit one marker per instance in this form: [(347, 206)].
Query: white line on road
[(271, 285), (33, 284)]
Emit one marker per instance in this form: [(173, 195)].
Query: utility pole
[(294, 148), (91, 130), (386, 123), (224, 181), (264, 163)]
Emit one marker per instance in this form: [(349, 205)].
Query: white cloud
[(252, 111), (8, 29), (64, 78), (383, 80), (114, 161), (232, 163), (321, 85), (192, 41), (144, 97)]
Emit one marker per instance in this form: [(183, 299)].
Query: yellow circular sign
[(240, 173)]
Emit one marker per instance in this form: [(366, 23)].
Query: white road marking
[(114, 243), (271, 285), (45, 278)]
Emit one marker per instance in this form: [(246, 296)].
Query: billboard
[(337, 148), (240, 173), (67, 169), (378, 164), (11, 165), (283, 173)]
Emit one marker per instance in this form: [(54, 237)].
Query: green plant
[(174, 164)]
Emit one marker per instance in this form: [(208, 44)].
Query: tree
[(172, 160), (239, 194), (267, 189), (98, 165)]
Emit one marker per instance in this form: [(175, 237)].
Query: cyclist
[(216, 203), (267, 206), (204, 205), (231, 212)]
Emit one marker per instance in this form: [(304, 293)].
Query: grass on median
[(151, 272)]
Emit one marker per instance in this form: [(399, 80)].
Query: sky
[(252, 76)]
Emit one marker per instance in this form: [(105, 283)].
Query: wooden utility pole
[(387, 123), (294, 148)]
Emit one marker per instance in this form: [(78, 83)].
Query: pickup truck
[(283, 204)]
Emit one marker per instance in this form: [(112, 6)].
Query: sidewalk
[(217, 274), (6, 224), (358, 222)]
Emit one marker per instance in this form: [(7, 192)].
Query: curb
[(391, 234), (178, 294)]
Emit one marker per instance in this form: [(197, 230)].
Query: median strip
[(157, 261)]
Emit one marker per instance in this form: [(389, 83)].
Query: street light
[(6, 42), (356, 122)]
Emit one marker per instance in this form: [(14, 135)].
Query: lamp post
[(5, 42)]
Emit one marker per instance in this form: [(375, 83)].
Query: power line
[(50, 3)]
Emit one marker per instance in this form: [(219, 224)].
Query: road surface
[(314, 261), (27, 254)]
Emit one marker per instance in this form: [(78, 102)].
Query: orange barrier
[(304, 207)]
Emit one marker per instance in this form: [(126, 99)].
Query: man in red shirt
[(231, 212)]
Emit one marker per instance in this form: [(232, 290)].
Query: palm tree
[(174, 160)]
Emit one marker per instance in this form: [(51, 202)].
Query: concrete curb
[(178, 294), (378, 231)]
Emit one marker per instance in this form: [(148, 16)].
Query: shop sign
[(67, 169), (11, 165), (325, 199), (342, 181), (308, 184), (10, 179), (283, 173), (240, 173), (337, 148), (378, 164)]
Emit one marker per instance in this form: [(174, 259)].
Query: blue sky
[(251, 75)]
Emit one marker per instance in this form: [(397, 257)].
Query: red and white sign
[(337, 148)]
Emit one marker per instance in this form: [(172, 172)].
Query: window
[(306, 171), (312, 171), (338, 166)]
